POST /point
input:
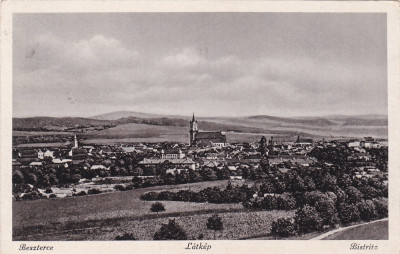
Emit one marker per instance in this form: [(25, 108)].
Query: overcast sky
[(213, 64)]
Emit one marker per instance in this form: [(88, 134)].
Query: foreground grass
[(373, 231), (237, 224), (104, 216)]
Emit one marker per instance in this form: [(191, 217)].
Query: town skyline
[(213, 64)]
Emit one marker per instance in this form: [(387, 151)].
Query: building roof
[(128, 149), (173, 161), (171, 151), (76, 151), (210, 135), (36, 163), (98, 167)]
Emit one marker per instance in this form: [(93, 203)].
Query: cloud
[(188, 57), (102, 74)]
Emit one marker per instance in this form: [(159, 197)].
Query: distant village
[(67, 171)]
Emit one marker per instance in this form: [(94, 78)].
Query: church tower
[(75, 142), (193, 131)]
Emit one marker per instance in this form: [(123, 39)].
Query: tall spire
[(193, 117), (75, 141)]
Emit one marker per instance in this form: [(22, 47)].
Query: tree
[(157, 207), (269, 202), (286, 202), (327, 182), (280, 187), (308, 219), (209, 174), (182, 177), (369, 192), (354, 195), (298, 184), (267, 187), (170, 231), (283, 227), (348, 213), (327, 210), (17, 177), (309, 183), (381, 206), (137, 171), (93, 191), (344, 181), (367, 210), (215, 223), (263, 148)]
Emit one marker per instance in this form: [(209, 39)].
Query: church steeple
[(193, 130), (75, 141)]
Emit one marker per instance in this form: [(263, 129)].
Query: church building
[(205, 138)]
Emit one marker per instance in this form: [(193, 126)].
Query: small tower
[(193, 130)]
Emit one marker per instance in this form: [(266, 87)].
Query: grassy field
[(237, 224), (40, 133), (372, 231), (102, 206), (134, 130)]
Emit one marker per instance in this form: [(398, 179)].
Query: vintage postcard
[(177, 127)]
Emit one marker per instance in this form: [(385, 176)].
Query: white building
[(170, 154)]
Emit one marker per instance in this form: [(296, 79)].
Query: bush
[(82, 193), (157, 207), (165, 195), (52, 196), (119, 187), (32, 195), (215, 223), (348, 213), (307, 219), (381, 206), (367, 210), (48, 190), (93, 191), (149, 196), (126, 236), (170, 231), (283, 227)]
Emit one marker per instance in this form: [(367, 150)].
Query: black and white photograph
[(200, 126)]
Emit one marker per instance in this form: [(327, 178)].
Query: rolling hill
[(134, 125)]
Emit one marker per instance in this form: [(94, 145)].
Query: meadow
[(372, 231)]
